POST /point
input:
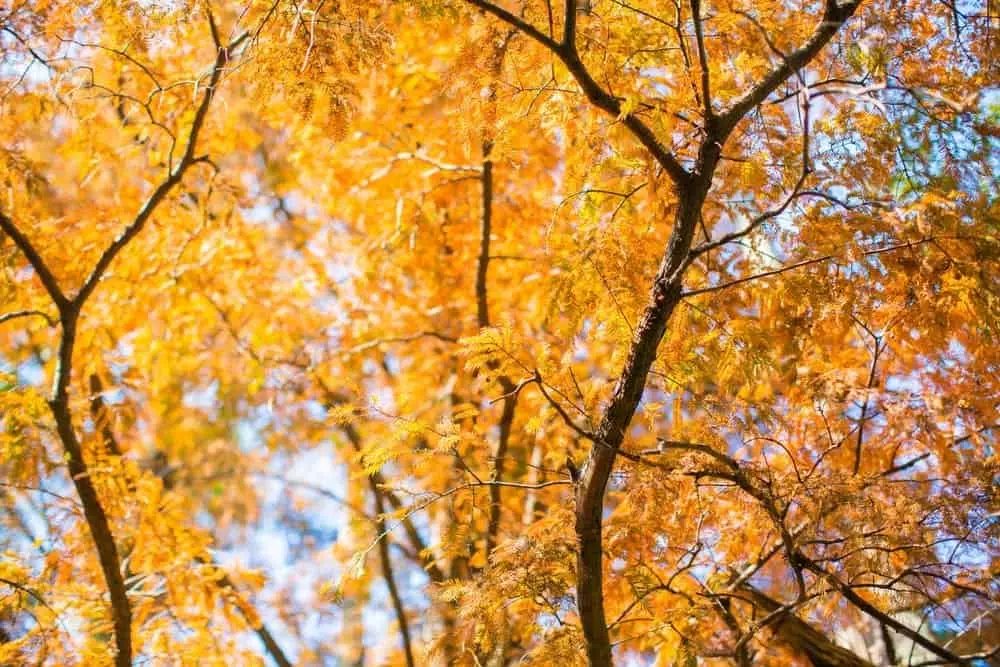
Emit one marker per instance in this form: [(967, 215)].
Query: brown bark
[(692, 189), (665, 297), (610, 433), (69, 316), (802, 637)]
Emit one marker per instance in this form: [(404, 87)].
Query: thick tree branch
[(835, 15), (802, 636), (871, 610), (610, 433), (611, 105), (69, 313), (35, 260), (93, 511), (666, 294), (97, 519), (566, 52), (485, 230), (569, 23), (519, 23)]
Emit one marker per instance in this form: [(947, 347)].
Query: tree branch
[(666, 294), (799, 265), (482, 298), (758, 221), (569, 24), (96, 517), (499, 456), (864, 406), (389, 575), (706, 91), (802, 636), (102, 421), (93, 511), (610, 432), (6, 317), (485, 229), (519, 23), (69, 312), (869, 609), (102, 416), (35, 260), (417, 542), (266, 638), (834, 16), (174, 178), (566, 52)]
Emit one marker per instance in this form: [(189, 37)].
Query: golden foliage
[(311, 313)]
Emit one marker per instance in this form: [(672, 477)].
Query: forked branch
[(69, 315), (566, 52)]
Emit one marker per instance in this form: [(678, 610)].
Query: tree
[(658, 332)]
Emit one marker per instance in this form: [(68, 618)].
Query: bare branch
[(879, 347), (756, 222), (417, 542), (378, 342), (560, 410)]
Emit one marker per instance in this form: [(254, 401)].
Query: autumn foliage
[(488, 332)]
